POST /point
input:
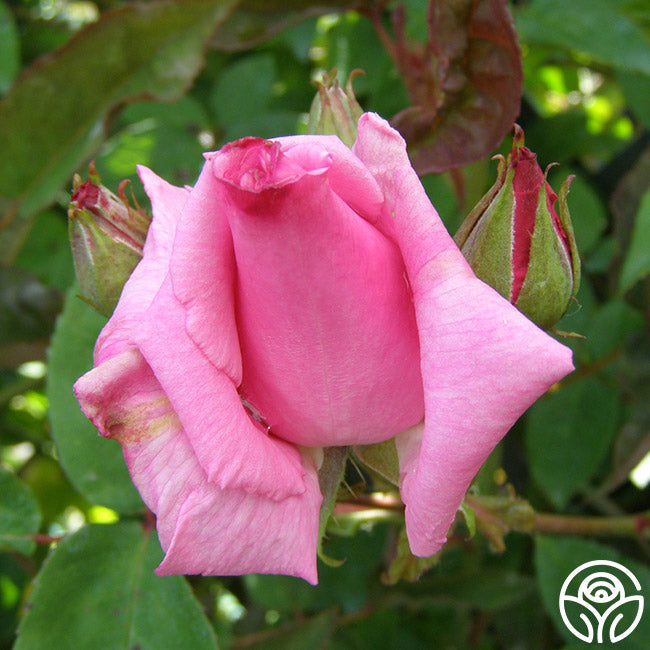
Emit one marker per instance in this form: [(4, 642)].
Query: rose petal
[(226, 532), (197, 522), (483, 363), (235, 451), (139, 290), (205, 288), (325, 319), (347, 175)]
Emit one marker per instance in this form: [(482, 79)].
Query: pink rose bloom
[(304, 295)]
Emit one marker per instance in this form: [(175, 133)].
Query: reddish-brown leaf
[(465, 83)]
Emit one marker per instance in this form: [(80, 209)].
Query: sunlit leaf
[(19, 514), (53, 118), (598, 28)]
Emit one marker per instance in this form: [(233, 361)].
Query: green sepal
[(488, 247), (470, 518), (335, 111), (404, 565), (102, 265), (381, 458), (330, 475), (472, 218), (565, 220), (548, 286)]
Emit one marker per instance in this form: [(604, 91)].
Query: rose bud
[(515, 240), (335, 111), (107, 235), (303, 295)]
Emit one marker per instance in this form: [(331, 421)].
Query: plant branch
[(497, 516)]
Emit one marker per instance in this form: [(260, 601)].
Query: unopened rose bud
[(107, 235), (515, 240), (335, 111)]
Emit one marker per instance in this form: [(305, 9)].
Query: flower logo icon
[(601, 601)]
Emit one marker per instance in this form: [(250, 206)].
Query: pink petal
[(202, 528), (226, 532), (141, 287), (325, 319), (202, 273), (346, 174), (483, 363), (234, 451)]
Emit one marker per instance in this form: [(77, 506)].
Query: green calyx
[(335, 110), (107, 236)]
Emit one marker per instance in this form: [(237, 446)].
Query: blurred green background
[(158, 85)]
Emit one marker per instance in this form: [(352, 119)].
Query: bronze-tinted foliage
[(465, 83), (54, 116)]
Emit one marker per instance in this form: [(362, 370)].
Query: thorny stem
[(628, 526), (514, 514), (511, 513)]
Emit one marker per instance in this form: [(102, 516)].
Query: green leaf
[(407, 628), (598, 28), (470, 518), (255, 21), (46, 252), (284, 594), (9, 48), (163, 137), (611, 325), (637, 261), (53, 117), (98, 589), (242, 100), (306, 634), (330, 475), (636, 88), (244, 89), (557, 557), (19, 514), (94, 465), (50, 486), (488, 588), (570, 428)]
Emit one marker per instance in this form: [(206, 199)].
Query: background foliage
[(159, 82)]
